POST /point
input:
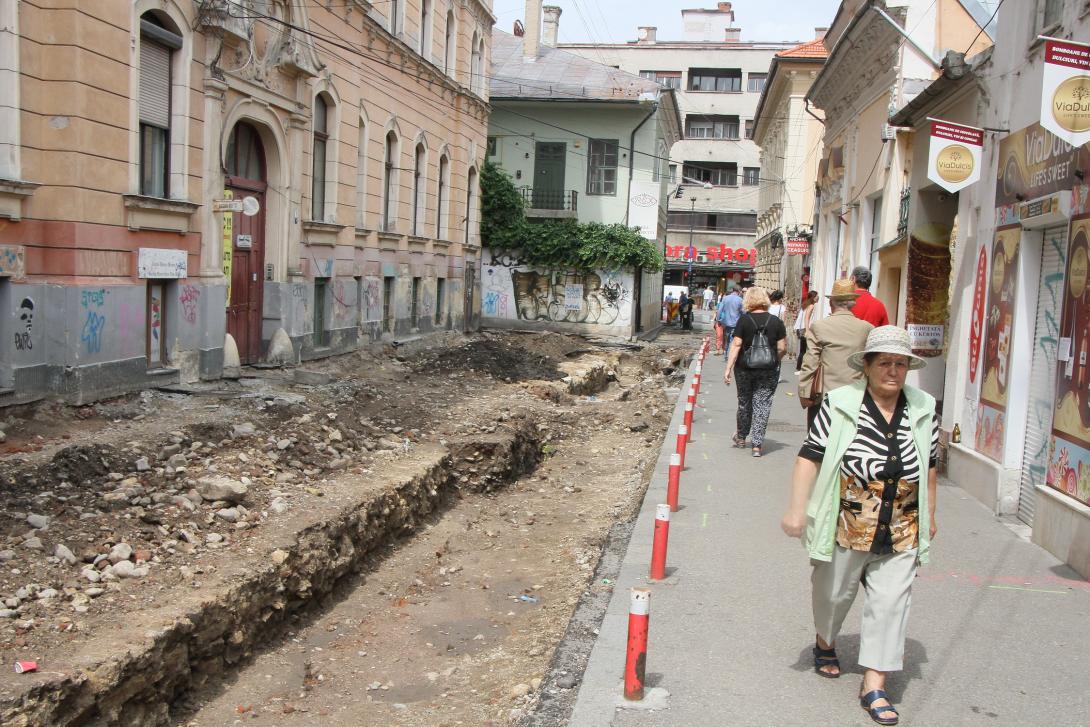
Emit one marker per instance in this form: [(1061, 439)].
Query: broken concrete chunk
[(222, 488)]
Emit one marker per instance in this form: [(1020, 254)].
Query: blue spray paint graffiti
[(92, 332)]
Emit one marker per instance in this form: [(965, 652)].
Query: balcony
[(550, 204)]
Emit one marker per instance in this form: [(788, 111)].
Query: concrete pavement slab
[(997, 632)]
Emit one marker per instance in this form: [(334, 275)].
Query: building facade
[(581, 141), (190, 186), (715, 168), (789, 136)]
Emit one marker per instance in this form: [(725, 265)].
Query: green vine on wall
[(557, 244)]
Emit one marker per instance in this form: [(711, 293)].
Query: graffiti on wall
[(597, 298), (24, 338), (94, 320), (372, 300), (189, 296)]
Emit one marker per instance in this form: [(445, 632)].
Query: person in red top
[(867, 307)]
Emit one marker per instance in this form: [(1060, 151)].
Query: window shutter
[(154, 84)]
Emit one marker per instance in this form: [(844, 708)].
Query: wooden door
[(244, 307)]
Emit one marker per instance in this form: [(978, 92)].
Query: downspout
[(806, 107), (919, 49), (632, 155)]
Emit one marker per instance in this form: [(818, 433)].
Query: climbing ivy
[(557, 244)]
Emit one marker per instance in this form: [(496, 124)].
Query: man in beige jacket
[(829, 342)]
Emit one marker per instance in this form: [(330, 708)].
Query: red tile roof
[(812, 49)]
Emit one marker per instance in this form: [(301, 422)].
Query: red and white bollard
[(682, 440), (660, 541), (673, 484), (692, 395), (635, 663), (696, 379), (689, 419)]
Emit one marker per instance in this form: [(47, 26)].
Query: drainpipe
[(919, 49), (632, 155), (806, 107)]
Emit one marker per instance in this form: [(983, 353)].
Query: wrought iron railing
[(902, 221), (547, 199)]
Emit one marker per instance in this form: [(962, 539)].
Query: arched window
[(426, 22), (481, 70), (420, 186), (450, 50), (318, 170), (159, 42), (442, 203), (474, 63), (361, 176), (471, 205), (389, 184), (245, 154), (394, 19)]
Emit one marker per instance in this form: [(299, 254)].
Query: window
[(875, 223), (440, 300), (442, 204), (361, 176), (673, 173), (157, 47), (388, 304), (749, 128), (474, 63), (1049, 13), (602, 167), (389, 184), (668, 79), (245, 155), (318, 171), (711, 127), (420, 186), (751, 176), (414, 303), (491, 146), (719, 174), (715, 221), (395, 11), (451, 47), (321, 286), (155, 339), (471, 204), (425, 29), (724, 80), (756, 82)]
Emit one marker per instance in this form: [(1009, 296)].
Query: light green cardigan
[(824, 506)]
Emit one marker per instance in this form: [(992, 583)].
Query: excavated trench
[(199, 641)]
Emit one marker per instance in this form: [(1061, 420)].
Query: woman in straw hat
[(863, 492)]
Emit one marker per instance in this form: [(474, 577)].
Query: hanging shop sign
[(953, 160), (720, 253), (798, 246), (1065, 90)]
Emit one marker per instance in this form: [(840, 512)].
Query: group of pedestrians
[(863, 491)]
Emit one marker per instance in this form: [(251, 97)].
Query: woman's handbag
[(817, 383), (759, 354)]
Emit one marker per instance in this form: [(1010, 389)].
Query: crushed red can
[(25, 666)]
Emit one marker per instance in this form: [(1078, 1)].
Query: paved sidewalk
[(998, 632)]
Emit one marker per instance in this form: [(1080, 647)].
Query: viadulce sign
[(1065, 90), (953, 160)]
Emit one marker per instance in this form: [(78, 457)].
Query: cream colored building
[(182, 181), (789, 135)]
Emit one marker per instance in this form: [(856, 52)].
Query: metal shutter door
[(1042, 383), (154, 84)]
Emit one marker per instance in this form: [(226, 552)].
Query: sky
[(615, 21)]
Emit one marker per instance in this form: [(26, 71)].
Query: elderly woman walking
[(759, 342), (864, 492)]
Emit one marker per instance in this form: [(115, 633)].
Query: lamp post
[(691, 252)]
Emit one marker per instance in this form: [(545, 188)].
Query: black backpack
[(759, 355)]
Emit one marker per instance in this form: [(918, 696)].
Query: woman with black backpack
[(760, 341)]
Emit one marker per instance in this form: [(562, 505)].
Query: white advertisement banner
[(1065, 90), (155, 262), (954, 154), (643, 208)]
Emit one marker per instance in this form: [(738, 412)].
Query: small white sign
[(228, 205), (1063, 351), (925, 337), (155, 262), (573, 296), (250, 206), (244, 242)]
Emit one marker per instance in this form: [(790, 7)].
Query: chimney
[(819, 33), (531, 43), (725, 8), (646, 34), (551, 25), (733, 35)]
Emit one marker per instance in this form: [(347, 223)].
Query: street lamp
[(691, 250)]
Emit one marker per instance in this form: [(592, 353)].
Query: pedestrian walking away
[(730, 310), (802, 325), (709, 298), (864, 477), (867, 307), (759, 342), (777, 308), (829, 343), (685, 312)]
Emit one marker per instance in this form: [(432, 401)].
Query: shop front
[(719, 266)]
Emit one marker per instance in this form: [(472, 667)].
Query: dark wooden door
[(549, 175), (244, 308)]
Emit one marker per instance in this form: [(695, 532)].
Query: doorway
[(246, 177), (548, 191)]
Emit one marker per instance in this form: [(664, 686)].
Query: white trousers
[(887, 596)]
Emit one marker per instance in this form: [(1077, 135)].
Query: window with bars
[(157, 47), (318, 170), (722, 80), (668, 79), (756, 82), (718, 174), (602, 167), (711, 127), (751, 176)]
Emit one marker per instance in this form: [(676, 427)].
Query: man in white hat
[(829, 342)]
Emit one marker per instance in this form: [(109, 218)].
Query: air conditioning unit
[(889, 133)]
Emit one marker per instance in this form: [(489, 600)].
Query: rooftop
[(811, 49)]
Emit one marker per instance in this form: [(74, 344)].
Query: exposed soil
[(447, 628)]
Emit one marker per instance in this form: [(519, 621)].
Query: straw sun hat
[(887, 339), (843, 289)]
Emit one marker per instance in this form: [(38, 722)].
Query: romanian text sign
[(1065, 91), (953, 160), (798, 246), (154, 262)]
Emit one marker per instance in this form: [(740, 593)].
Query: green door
[(549, 175)]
